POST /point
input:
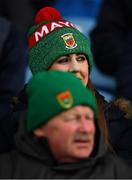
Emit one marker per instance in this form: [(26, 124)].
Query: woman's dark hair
[(101, 103)]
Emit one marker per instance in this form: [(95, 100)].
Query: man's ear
[(39, 132)]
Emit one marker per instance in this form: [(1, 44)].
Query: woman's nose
[(74, 66)]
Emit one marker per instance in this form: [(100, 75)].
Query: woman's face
[(74, 63)]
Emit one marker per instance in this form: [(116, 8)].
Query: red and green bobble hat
[(52, 37)]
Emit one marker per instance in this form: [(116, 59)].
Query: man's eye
[(69, 119), (62, 61), (89, 118)]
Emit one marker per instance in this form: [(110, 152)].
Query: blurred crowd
[(107, 24)]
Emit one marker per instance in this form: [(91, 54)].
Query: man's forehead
[(80, 109)]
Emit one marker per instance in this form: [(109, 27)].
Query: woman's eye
[(81, 58), (61, 61)]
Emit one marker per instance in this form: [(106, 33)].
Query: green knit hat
[(52, 92), (52, 37)]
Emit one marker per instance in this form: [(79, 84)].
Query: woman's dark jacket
[(119, 122)]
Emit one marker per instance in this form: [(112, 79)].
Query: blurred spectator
[(41, 3), (19, 13), (112, 43), (12, 77)]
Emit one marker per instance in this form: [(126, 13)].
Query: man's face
[(70, 134)]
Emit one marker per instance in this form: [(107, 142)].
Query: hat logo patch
[(69, 40), (65, 99)]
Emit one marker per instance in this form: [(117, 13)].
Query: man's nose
[(83, 126)]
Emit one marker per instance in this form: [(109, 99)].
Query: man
[(60, 137)]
